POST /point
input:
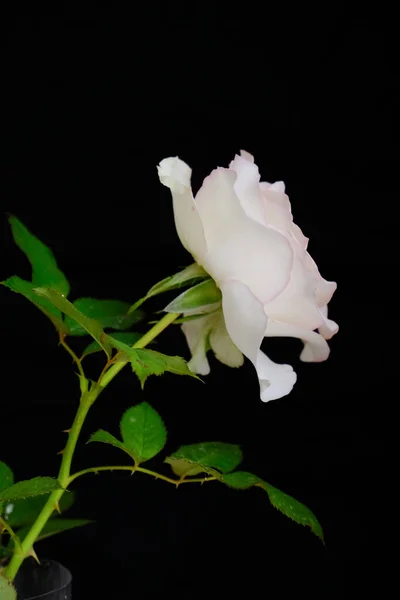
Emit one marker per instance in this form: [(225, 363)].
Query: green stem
[(64, 477), (135, 469), (11, 532), (146, 339), (54, 498), (72, 354)]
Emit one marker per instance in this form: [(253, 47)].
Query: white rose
[(242, 233)]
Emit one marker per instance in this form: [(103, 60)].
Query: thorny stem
[(4, 526), (72, 353), (136, 469), (146, 339), (88, 397)]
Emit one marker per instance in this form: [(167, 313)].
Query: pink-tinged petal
[(329, 328), (175, 174), (296, 305), (246, 322), (247, 188), (247, 156), (315, 348), (277, 211), (299, 236), (324, 289), (196, 332), (239, 247), (278, 186)]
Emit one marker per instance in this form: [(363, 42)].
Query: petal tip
[(174, 174), (247, 156), (281, 387)]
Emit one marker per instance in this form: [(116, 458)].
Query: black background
[(95, 98)]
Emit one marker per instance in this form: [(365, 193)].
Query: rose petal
[(247, 188), (247, 156), (276, 380), (329, 328), (297, 305), (222, 345), (246, 322), (196, 332), (315, 348), (238, 247), (175, 174), (324, 289)]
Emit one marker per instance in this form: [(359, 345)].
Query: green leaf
[(24, 511), (183, 468), (30, 487), (111, 314), (288, 505), (143, 432), (293, 509), (45, 271), (183, 278), (149, 362), (127, 337), (7, 590), (20, 286), (203, 298), (54, 526), (207, 455), (107, 438), (90, 325), (241, 480), (6, 476)]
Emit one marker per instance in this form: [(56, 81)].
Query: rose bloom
[(241, 231)]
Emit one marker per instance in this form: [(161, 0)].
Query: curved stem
[(135, 469), (72, 354), (87, 399), (146, 339), (11, 533), (63, 475)]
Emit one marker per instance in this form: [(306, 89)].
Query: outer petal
[(247, 188), (246, 323), (297, 305), (315, 348), (324, 289), (278, 212), (222, 345), (276, 380), (329, 328), (238, 247), (175, 174), (196, 332)]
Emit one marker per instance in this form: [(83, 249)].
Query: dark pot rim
[(46, 563)]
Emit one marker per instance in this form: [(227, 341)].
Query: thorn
[(33, 553), (61, 452), (57, 507), (66, 430)]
